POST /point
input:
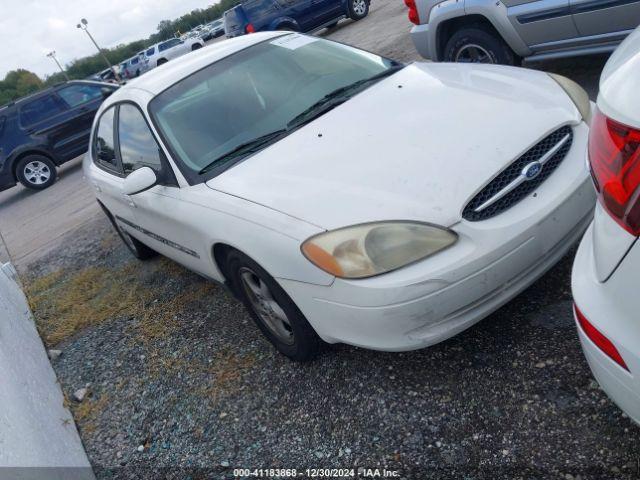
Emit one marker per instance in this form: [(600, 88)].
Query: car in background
[(606, 271), (508, 31), (132, 67), (162, 52), (212, 30), (106, 75), (40, 132), (295, 15), (461, 185)]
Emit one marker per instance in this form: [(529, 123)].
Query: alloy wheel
[(359, 7), (37, 172), (473, 53), (265, 306)]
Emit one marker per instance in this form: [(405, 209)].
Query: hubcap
[(473, 54), (265, 306), (359, 7), (37, 172)]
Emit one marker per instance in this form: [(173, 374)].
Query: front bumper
[(612, 307), (493, 260)]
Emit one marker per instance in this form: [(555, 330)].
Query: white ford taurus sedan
[(342, 196), (606, 272)]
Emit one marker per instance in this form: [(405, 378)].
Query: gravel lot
[(182, 385)]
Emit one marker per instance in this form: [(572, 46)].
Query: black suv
[(46, 129)]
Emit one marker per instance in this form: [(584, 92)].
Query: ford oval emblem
[(532, 170)]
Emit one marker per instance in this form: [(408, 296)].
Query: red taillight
[(413, 11), (614, 155), (249, 28), (602, 342)]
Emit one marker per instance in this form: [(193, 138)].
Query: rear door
[(105, 171), (542, 21), (46, 120), (82, 102), (611, 18)]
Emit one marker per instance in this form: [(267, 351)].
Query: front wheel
[(36, 172), (358, 9), (478, 45), (195, 46), (276, 315)]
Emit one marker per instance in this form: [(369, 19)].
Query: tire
[(358, 9), (294, 337), (285, 28), (161, 61), (36, 172), (195, 46), (135, 246), (478, 45)]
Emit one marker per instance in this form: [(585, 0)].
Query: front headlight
[(576, 93), (373, 248)]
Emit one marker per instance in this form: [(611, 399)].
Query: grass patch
[(64, 302), (87, 412)]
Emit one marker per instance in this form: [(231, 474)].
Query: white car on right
[(162, 52), (606, 272)]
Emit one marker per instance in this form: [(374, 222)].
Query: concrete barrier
[(38, 437)]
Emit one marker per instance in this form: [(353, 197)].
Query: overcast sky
[(29, 29)]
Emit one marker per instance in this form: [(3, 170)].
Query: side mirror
[(139, 180)]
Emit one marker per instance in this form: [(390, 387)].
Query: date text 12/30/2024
[(361, 472)]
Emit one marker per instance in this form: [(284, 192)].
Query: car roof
[(162, 77)]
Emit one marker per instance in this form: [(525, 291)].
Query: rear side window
[(134, 61), (151, 51), (75, 95), (168, 44), (104, 149), (138, 147), (40, 109)]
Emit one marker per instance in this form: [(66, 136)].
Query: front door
[(541, 21), (82, 101), (160, 214), (615, 18)]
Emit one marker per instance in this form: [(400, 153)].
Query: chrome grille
[(521, 177)]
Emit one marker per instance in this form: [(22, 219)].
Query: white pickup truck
[(162, 52)]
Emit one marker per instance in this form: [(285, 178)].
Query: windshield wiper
[(335, 98), (244, 149)]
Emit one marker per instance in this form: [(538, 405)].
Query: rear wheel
[(358, 9), (36, 172), (162, 61), (276, 315), (195, 46), (478, 45)]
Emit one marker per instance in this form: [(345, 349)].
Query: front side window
[(271, 87), (104, 150), (75, 95), (150, 51), (138, 147), (40, 109)]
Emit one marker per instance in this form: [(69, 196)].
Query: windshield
[(270, 87)]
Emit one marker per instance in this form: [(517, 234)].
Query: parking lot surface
[(182, 383)]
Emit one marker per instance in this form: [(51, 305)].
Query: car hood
[(415, 146)]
